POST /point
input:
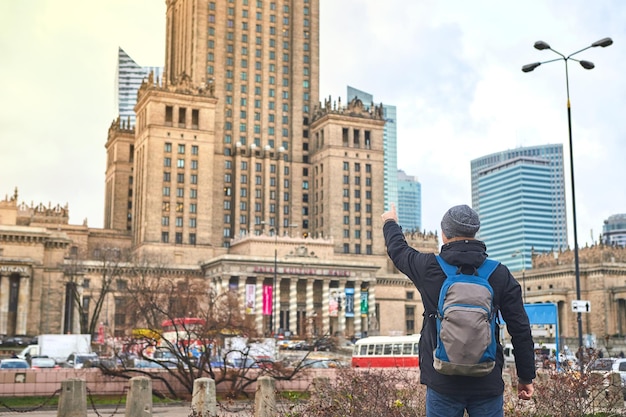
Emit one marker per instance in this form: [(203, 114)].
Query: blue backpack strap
[(485, 270), (450, 270)]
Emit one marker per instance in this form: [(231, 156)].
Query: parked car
[(43, 362), (13, 364), (82, 360), (12, 341), (606, 366), (146, 364), (601, 365), (324, 344), (283, 343)]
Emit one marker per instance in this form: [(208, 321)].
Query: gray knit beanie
[(460, 221)]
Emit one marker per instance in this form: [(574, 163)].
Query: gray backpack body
[(466, 322)]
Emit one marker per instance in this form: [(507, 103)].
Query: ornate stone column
[(357, 308), (310, 309), (4, 303), (325, 313), (241, 293), (341, 315), (258, 307), (22, 305), (293, 305)]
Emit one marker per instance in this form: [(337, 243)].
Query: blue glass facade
[(489, 169), (614, 230), (128, 79), (390, 140), (409, 202)]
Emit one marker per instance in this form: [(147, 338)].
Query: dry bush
[(397, 393), (365, 393), (567, 394)]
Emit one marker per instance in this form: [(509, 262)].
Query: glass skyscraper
[(614, 230), (409, 202), (128, 79), (390, 139), (520, 197)]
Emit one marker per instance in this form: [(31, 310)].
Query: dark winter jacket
[(425, 272)]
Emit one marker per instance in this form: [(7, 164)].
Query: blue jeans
[(438, 405)]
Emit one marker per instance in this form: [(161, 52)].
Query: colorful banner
[(349, 302), (364, 304), (267, 300), (250, 298), (333, 303)]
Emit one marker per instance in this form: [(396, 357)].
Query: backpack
[(466, 322)]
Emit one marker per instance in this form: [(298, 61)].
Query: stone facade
[(39, 257)]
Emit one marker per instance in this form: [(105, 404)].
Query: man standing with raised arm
[(451, 395)]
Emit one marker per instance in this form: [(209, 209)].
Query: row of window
[(357, 234), (258, 167), (243, 206), (180, 177), (180, 163), (243, 179), (179, 207), (357, 207), (357, 249), (178, 222), (357, 167), (182, 117), (259, 4), (178, 238), (181, 148)]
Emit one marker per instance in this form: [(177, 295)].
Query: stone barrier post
[(265, 397), (139, 398), (203, 402), (73, 398)]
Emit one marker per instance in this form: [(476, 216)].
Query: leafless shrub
[(365, 393), (566, 394)]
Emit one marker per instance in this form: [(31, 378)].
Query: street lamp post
[(275, 306), (541, 45)]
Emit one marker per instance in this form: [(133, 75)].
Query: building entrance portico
[(14, 298), (297, 294)]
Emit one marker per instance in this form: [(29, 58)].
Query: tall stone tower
[(261, 60), (347, 165), (223, 143)]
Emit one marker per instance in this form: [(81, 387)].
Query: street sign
[(581, 306)]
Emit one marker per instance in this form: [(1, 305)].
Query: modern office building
[(516, 211), (390, 144), (614, 230), (534, 165), (409, 202), (128, 78)]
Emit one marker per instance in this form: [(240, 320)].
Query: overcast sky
[(452, 68)]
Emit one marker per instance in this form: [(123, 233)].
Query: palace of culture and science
[(236, 174)]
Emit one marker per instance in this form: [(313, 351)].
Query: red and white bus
[(386, 352)]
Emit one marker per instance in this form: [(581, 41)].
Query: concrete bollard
[(203, 402), (73, 398), (265, 397), (139, 398)]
